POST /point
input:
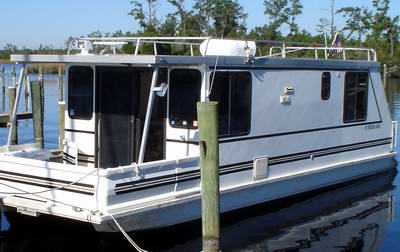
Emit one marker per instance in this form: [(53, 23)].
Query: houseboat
[(292, 119)]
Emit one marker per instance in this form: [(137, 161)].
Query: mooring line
[(127, 236)]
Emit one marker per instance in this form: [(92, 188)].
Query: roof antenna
[(217, 60)]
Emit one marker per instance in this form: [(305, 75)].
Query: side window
[(184, 93), (233, 92), (80, 92), (355, 97), (326, 86)]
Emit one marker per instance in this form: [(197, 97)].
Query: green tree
[(295, 9), (384, 28), (221, 17), (358, 20), (145, 12), (277, 12)]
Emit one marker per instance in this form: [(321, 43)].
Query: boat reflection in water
[(349, 217)]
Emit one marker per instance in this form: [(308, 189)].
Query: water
[(359, 216)]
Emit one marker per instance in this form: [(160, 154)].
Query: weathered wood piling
[(12, 91), (385, 72), (37, 110), (3, 88), (209, 166), (61, 121), (61, 84)]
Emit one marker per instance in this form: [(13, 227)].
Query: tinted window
[(233, 92), (355, 97), (184, 93), (326, 86), (80, 92)]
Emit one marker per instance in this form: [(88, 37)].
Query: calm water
[(360, 216)]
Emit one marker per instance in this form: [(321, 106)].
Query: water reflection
[(351, 217)]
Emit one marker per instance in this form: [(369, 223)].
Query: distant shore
[(48, 68)]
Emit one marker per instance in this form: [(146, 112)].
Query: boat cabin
[(127, 109)]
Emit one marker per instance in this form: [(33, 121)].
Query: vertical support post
[(12, 91), (26, 84), (137, 47), (61, 84), (61, 123), (14, 76), (14, 109), (283, 50), (385, 72), (3, 88), (36, 89), (209, 165), (41, 80), (148, 116)]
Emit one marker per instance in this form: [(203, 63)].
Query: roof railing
[(273, 49), (327, 52)]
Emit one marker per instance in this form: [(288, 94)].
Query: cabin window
[(355, 97), (232, 90), (184, 93), (80, 92), (326, 86)]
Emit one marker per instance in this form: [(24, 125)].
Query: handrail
[(285, 50), (276, 48)]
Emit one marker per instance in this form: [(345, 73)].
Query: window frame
[(178, 126), (87, 118), (355, 102), (250, 75), (322, 84)]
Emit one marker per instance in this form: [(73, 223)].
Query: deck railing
[(272, 49)]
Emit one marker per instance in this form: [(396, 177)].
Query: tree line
[(365, 27)]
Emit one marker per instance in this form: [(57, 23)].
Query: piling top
[(207, 106)]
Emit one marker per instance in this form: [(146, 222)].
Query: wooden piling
[(12, 91), (209, 166), (61, 123), (3, 88), (14, 76), (26, 89), (36, 96), (61, 84), (41, 80), (385, 72)]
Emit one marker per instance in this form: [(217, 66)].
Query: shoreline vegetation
[(370, 27)]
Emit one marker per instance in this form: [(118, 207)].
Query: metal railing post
[(148, 116), (13, 115)]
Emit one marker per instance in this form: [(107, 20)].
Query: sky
[(50, 22)]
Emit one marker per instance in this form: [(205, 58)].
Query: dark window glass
[(326, 86), (184, 93), (80, 92), (355, 97), (232, 90)]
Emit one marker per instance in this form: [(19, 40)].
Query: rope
[(55, 201), (127, 236)]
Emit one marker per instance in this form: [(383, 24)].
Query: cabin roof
[(232, 62)]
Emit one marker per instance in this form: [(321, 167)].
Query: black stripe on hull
[(80, 131), (222, 141), (46, 182), (165, 180)]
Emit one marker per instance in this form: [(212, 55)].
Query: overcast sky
[(31, 23)]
